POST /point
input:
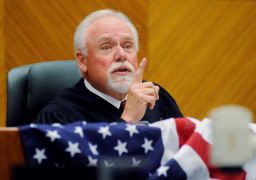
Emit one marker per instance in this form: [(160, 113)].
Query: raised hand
[(140, 95)]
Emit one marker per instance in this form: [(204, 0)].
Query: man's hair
[(80, 36)]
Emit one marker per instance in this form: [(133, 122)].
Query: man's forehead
[(111, 36)]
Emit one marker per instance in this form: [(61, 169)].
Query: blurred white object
[(232, 141)]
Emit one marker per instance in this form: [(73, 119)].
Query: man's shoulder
[(71, 98), (70, 93), (64, 99)]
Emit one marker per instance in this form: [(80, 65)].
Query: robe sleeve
[(51, 115)]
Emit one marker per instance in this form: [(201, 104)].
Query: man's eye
[(106, 47), (127, 46)]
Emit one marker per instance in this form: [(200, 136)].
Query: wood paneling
[(42, 30), (203, 52), (12, 153), (2, 67)]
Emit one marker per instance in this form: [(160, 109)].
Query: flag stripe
[(185, 128), (191, 163), (169, 138), (250, 167), (169, 149), (204, 128)]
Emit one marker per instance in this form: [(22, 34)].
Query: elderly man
[(106, 46)]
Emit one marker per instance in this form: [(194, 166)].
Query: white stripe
[(250, 166), (169, 137), (192, 164), (205, 129), (193, 120), (250, 169), (252, 127)]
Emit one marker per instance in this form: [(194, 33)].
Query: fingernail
[(144, 60)]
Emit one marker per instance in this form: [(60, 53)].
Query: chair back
[(31, 87)]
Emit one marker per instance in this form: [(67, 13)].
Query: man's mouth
[(122, 70)]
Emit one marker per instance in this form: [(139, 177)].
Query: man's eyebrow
[(104, 38), (127, 37)]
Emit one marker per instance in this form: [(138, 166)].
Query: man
[(106, 46)]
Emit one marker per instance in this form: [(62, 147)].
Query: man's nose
[(120, 54)]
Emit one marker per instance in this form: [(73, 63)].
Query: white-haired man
[(106, 46)]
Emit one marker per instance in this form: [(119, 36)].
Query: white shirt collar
[(111, 100)]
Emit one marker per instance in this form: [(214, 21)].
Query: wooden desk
[(11, 151)]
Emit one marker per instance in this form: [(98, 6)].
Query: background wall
[(203, 52), (2, 65), (42, 30)]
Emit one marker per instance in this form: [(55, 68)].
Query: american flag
[(175, 148)]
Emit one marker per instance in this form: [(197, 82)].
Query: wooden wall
[(2, 66), (202, 51), (42, 30)]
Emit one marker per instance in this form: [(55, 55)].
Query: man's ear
[(82, 62)]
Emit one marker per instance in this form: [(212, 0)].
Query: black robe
[(79, 104)]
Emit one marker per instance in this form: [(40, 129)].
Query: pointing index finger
[(140, 71)]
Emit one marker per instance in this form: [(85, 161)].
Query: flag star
[(121, 147), (93, 149), (135, 163), (72, 148), (57, 125), (32, 125), (107, 164), (79, 131), (147, 145), (92, 162), (162, 170), (40, 155), (53, 135), (104, 131), (131, 129)]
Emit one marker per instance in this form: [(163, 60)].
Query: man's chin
[(119, 87), (120, 84)]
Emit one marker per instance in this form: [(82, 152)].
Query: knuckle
[(151, 84), (148, 84)]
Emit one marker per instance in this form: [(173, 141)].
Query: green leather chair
[(31, 87)]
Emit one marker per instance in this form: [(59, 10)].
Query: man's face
[(112, 59)]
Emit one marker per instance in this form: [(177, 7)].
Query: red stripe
[(202, 147), (185, 128)]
